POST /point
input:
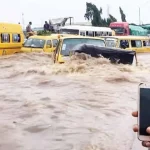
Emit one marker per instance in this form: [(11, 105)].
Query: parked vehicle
[(140, 44), (40, 43), (12, 38)]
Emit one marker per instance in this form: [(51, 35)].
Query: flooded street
[(80, 105)]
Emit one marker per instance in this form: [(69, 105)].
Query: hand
[(135, 129)]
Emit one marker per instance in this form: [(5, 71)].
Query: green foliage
[(94, 15), (123, 16), (44, 33), (112, 18)]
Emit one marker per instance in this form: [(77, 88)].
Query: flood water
[(79, 105)]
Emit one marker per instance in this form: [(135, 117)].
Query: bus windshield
[(35, 43), (118, 30), (69, 31), (68, 44)]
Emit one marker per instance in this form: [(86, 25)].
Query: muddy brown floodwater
[(79, 105)]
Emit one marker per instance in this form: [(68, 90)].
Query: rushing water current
[(79, 105)]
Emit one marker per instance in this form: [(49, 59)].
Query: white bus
[(86, 30)]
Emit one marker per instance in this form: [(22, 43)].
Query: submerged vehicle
[(140, 44), (12, 38), (114, 55), (66, 44), (40, 43), (91, 46)]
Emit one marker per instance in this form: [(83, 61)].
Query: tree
[(112, 18), (123, 16), (94, 15)]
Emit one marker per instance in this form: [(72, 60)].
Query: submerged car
[(114, 55), (92, 46), (40, 43)]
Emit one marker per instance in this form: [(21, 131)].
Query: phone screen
[(144, 115)]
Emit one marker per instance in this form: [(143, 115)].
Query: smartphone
[(144, 112)]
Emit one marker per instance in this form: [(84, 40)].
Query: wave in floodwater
[(83, 104), (42, 64)]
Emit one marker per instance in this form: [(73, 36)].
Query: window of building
[(5, 38)]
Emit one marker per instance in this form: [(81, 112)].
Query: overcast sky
[(38, 11)]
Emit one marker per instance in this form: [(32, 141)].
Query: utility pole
[(23, 21), (107, 11), (139, 16)]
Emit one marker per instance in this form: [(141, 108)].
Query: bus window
[(97, 33), (69, 31), (104, 33), (82, 33), (124, 44), (110, 34), (101, 33), (16, 38), (55, 42), (144, 43), (90, 33), (136, 43), (5, 38)]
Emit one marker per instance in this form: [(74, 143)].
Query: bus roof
[(128, 37), (81, 37), (87, 28), (11, 28)]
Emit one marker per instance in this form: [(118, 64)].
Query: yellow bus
[(140, 44), (11, 38), (66, 44)]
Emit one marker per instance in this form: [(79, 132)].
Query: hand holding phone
[(144, 112)]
